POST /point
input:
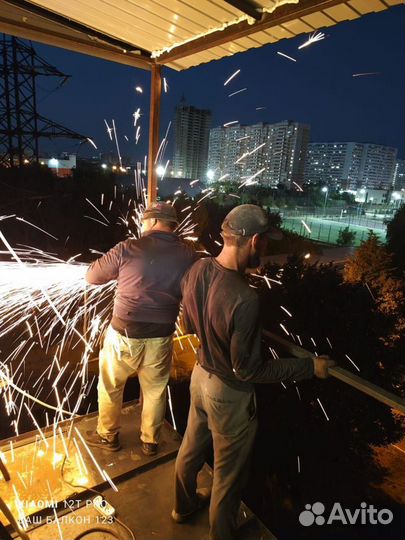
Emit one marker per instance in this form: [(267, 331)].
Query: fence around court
[(326, 228)]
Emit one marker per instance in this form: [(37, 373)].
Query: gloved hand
[(321, 365)]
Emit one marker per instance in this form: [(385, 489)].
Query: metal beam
[(246, 7), (76, 26), (77, 44), (282, 15), (372, 390), (154, 122)]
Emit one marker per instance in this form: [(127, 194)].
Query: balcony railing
[(376, 392)]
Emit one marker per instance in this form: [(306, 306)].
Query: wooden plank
[(378, 393), (154, 122)]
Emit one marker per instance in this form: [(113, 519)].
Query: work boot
[(203, 498), (148, 448), (94, 439)]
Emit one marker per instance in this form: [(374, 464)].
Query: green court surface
[(327, 230)]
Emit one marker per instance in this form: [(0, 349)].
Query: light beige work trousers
[(121, 357)]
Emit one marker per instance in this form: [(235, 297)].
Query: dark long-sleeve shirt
[(221, 308), (148, 271)]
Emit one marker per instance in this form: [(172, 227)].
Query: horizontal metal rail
[(388, 398)]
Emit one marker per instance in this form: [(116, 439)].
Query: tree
[(395, 238), (372, 265), (346, 237)]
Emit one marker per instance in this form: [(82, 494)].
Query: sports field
[(327, 230)]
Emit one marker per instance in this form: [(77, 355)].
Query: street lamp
[(325, 190), (210, 175), (160, 170), (53, 163)]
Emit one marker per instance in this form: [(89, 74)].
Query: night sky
[(318, 89)]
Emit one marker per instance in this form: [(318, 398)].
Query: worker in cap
[(221, 308), (139, 340)]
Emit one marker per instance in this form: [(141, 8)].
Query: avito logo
[(366, 514)]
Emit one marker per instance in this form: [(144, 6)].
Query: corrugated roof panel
[(341, 13), (263, 37), (182, 13), (232, 47), (297, 26), (195, 59), (366, 6), (318, 20), (161, 16), (279, 32), (247, 43), (221, 11), (111, 21)]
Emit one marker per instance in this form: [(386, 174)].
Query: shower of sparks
[(223, 177), (298, 186), (237, 92), (322, 407), (367, 74), (36, 227), (116, 144), (306, 226), (286, 310), (249, 180), (286, 56), (330, 344), (285, 329), (231, 77), (165, 85), (350, 360), (136, 115), (299, 464), (169, 396), (231, 123), (194, 182), (97, 210), (138, 89), (313, 38), (109, 129), (92, 143)]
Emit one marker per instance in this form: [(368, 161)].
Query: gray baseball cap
[(161, 210), (247, 220)]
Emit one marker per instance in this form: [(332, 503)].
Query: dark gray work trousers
[(228, 418)]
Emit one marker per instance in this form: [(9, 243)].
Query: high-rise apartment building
[(350, 165), (191, 135), (278, 151), (399, 176)]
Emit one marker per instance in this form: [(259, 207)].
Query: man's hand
[(321, 365)]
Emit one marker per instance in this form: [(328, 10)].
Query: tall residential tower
[(191, 135), (277, 151)]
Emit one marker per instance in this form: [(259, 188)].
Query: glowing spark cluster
[(313, 38)]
